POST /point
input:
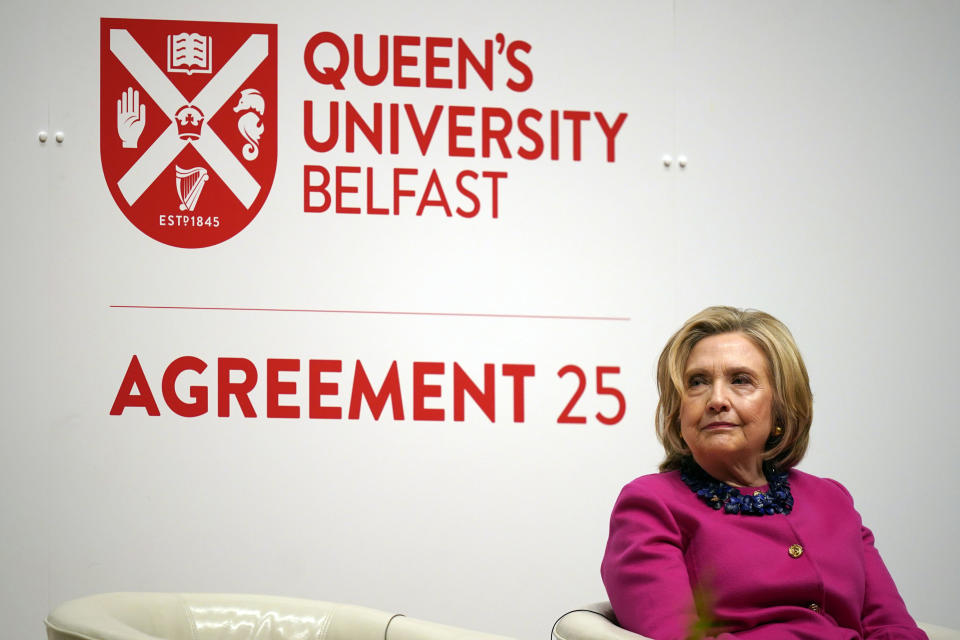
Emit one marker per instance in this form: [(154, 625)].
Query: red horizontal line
[(380, 313)]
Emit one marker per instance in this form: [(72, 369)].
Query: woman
[(729, 540)]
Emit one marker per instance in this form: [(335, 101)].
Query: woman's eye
[(741, 379), (695, 381)]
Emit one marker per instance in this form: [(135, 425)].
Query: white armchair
[(597, 622), (209, 616)]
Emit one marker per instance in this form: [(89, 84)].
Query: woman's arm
[(884, 614), (643, 568)]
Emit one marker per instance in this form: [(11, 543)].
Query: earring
[(778, 431)]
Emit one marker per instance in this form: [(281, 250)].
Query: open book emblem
[(172, 113), (189, 53)]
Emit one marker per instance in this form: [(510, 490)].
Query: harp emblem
[(189, 185)]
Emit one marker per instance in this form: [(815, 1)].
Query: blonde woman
[(729, 540)]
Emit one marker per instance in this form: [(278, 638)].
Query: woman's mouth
[(719, 425)]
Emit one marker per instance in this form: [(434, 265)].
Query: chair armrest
[(592, 622), (936, 632)]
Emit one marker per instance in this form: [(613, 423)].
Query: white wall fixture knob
[(682, 161), (667, 160), (59, 136), (42, 136)]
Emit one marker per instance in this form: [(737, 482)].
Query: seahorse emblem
[(250, 122)]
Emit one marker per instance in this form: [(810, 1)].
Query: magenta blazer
[(664, 542)]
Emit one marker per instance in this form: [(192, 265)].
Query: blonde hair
[(792, 399)]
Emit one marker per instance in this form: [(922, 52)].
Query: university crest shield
[(188, 125)]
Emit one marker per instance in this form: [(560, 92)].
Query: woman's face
[(726, 413)]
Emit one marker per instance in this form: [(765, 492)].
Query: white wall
[(821, 142), (24, 454)]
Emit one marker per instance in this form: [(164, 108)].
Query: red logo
[(188, 125)]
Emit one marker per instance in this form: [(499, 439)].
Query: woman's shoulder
[(801, 481), (654, 486), (660, 480), (650, 502), (668, 487)]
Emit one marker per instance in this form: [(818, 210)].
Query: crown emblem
[(189, 120)]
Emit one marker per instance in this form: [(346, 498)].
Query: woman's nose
[(718, 401)]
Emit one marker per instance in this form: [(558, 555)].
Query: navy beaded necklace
[(777, 499)]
